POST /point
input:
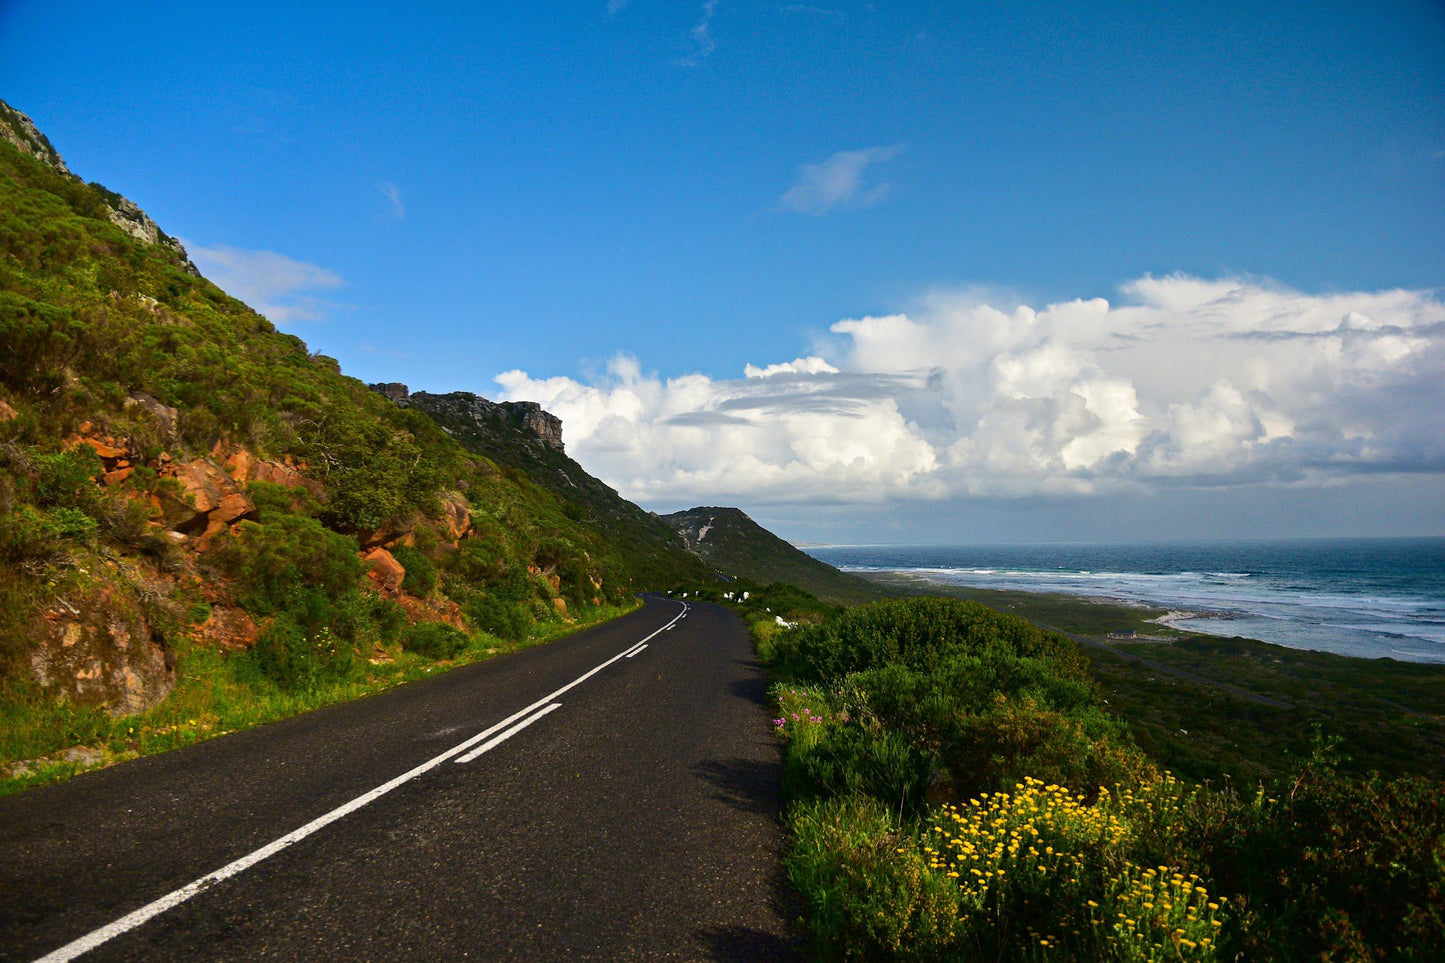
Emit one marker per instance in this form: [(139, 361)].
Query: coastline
[(1210, 706), (1371, 613)]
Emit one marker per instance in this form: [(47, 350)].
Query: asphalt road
[(636, 820)]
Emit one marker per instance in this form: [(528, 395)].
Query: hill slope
[(526, 442), (198, 513), (739, 547)]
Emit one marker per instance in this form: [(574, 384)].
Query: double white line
[(175, 898)]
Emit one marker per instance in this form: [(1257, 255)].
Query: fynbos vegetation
[(958, 792)]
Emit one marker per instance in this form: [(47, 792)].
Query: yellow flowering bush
[(1158, 914), (1043, 872)]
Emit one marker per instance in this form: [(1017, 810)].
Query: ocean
[(1371, 598)]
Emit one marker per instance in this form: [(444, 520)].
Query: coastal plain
[(1214, 709)]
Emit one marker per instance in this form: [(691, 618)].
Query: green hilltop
[(740, 548)]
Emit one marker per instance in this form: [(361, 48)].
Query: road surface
[(590, 798)]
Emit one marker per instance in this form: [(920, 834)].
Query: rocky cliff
[(527, 417)]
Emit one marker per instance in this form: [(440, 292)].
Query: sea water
[(1363, 597)]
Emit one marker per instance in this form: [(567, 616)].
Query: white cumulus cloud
[(277, 286), (839, 181), (1183, 382)]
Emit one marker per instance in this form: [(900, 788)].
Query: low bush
[(435, 640), (271, 558), (499, 617), (296, 656), (421, 572)]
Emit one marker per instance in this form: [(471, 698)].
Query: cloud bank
[(275, 285), (1183, 383)]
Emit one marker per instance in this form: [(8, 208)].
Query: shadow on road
[(742, 943), (744, 784), (754, 688)]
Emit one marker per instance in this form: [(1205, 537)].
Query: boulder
[(108, 450), (228, 628), (164, 415), (210, 499), (456, 516), (432, 610), (390, 535), (385, 572)]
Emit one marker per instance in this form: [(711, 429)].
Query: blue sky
[(625, 204)]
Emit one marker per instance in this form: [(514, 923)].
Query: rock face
[(545, 425), (209, 503), (100, 650), (21, 131), (456, 516), (229, 628), (394, 390), (125, 214), (245, 467), (527, 417)]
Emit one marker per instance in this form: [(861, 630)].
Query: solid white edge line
[(175, 898), (496, 741), (637, 650)]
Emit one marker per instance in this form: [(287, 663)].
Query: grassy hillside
[(202, 522), (739, 547)]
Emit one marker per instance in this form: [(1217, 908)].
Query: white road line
[(637, 650), (175, 898), (496, 741)]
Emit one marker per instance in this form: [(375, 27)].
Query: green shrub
[(919, 634), (272, 499), (502, 618), (869, 898), (298, 656), (67, 478), (421, 572), (846, 758), (435, 640), (1337, 867), (271, 558), (28, 534), (480, 561), (126, 521)]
